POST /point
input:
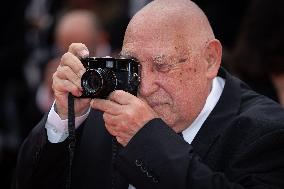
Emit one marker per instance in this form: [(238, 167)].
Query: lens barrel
[(98, 82)]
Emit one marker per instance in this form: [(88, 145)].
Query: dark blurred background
[(35, 33)]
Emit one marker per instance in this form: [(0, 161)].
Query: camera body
[(106, 74)]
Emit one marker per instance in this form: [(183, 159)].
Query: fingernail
[(84, 53)]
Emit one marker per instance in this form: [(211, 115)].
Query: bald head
[(179, 18), (76, 26), (179, 57)]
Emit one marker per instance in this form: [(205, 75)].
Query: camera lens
[(98, 83), (92, 82)]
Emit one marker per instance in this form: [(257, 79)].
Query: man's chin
[(173, 124), (168, 121)]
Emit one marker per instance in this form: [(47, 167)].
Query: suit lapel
[(221, 116)]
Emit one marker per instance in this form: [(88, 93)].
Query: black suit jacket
[(240, 145)]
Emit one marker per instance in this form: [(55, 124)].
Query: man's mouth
[(156, 104)]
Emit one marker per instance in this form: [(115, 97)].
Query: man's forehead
[(161, 39), (155, 49), (164, 29)]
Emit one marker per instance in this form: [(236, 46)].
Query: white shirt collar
[(211, 101)]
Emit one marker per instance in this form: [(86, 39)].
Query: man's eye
[(163, 67)]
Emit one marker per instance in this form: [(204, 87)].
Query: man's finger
[(111, 120), (79, 49), (107, 106), (64, 86), (65, 72), (70, 60), (121, 97)]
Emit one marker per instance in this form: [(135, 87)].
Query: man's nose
[(148, 84)]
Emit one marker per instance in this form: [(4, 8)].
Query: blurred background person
[(81, 26), (76, 25), (113, 15), (258, 56)]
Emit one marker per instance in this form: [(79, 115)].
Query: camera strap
[(72, 145), (71, 138)]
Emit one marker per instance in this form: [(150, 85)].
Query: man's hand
[(67, 78), (124, 114)]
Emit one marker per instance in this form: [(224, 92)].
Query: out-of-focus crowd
[(35, 34)]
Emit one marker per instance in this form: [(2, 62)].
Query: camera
[(106, 74)]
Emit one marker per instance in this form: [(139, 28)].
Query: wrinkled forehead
[(153, 39), (162, 28)]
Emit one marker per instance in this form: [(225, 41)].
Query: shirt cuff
[(57, 129)]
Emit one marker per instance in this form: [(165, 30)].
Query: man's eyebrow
[(162, 58), (182, 60)]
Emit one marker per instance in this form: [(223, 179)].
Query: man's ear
[(213, 56)]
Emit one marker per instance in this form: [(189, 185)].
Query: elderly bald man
[(232, 137)]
